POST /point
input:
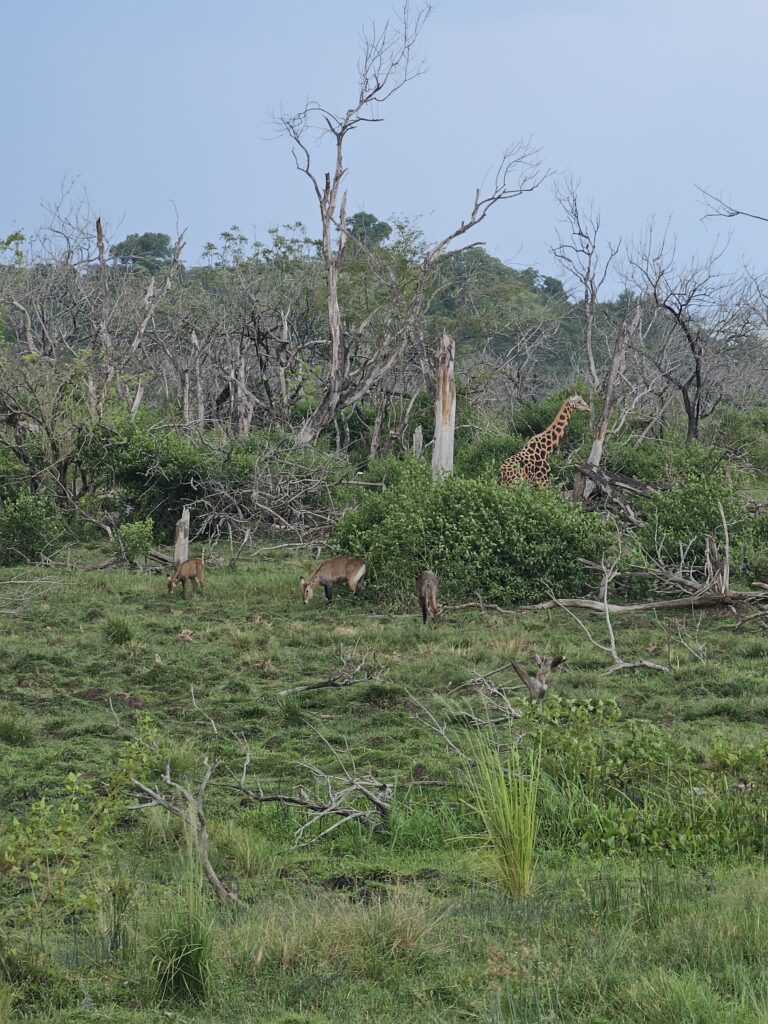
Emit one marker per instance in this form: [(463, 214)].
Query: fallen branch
[(340, 793), (694, 601), (482, 605), (619, 664), (349, 672), (189, 807)]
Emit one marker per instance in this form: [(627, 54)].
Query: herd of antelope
[(333, 570)]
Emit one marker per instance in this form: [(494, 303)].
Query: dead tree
[(347, 796), (188, 806), (352, 668), (628, 330), (445, 410), (710, 320), (580, 255), (181, 541), (388, 62)]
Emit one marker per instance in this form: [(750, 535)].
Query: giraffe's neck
[(559, 424)]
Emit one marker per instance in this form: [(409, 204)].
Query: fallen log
[(694, 601)]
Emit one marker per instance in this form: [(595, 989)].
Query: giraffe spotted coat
[(532, 462)]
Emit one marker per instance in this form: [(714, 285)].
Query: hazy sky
[(153, 101)]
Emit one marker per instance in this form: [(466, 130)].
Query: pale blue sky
[(160, 100)]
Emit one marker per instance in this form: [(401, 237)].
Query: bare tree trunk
[(583, 486), (181, 546), (418, 442), (137, 399), (445, 410), (199, 397), (185, 417)]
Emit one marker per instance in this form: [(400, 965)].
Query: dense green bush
[(681, 519), (664, 461), (482, 458), (508, 544), (135, 539), (30, 527)]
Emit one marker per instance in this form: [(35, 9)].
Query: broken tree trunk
[(445, 410), (418, 442), (181, 545), (584, 484)]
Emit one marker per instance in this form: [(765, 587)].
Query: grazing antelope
[(333, 570), (427, 588), (192, 571)]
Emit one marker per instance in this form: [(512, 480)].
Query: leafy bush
[(482, 458), (508, 544), (29, 528), (683, 517), (665, 461), (135, 539)]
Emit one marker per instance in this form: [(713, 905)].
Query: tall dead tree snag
[(361, 357), (445, 409), (629, 329), (181, 544)]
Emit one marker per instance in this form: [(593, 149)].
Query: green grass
[(646, 903), (504, 790)]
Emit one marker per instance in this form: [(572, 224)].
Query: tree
[(367, 230), (388, 62), (709, 317), (151, 251)]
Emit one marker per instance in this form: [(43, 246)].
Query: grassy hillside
[(650, 876)]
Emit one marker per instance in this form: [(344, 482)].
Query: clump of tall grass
[(175, 938), (7, 1000), (357, 940), (251, 854), (118, 630), (503, 790), (17, 732)]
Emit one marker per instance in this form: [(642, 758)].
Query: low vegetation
[(608, 865)]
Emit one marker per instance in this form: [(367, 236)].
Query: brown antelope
[(427, 589), (192, 571), (333, 570)]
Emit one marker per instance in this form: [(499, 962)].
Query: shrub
[(683, 517), (29, 528), (508, 544), (482, 458), (135, 539), (666, 461)]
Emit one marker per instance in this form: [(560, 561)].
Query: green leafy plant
[(504, 790), (508, 544), (134, 540), (30, 527)]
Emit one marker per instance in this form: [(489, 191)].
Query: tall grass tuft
[(117, 630), (7, 1000), (503, 790), (178, 941)]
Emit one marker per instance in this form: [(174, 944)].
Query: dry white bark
[(445, 409)]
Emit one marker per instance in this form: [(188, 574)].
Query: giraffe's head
[(577, 402)]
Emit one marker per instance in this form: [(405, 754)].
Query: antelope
[(333, 570), (427, 591), (192, 571)]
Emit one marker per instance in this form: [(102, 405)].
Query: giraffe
[(532, 462)]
